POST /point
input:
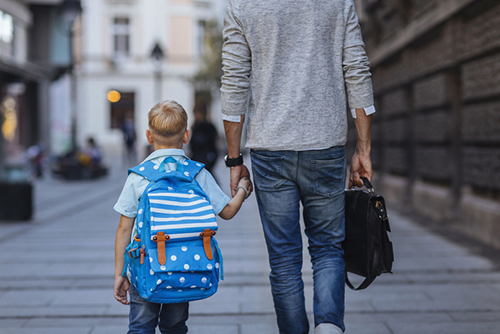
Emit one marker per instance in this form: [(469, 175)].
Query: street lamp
[(70, 9), (157, 55)]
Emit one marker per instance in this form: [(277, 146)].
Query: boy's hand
[(245, 183), (121, 287)]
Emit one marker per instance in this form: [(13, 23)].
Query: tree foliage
[(208, 78)]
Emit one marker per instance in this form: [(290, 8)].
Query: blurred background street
[(77, 79)]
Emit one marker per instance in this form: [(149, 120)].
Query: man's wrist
[(363, 147), (233, 162)]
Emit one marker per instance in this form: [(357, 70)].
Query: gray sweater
[(288, 62)]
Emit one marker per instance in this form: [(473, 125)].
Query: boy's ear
[(149, 136), (187, 134)]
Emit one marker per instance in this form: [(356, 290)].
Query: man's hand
[(361, 166), (237, 173), (120, 289)]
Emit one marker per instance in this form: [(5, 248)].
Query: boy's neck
[(161, 147)]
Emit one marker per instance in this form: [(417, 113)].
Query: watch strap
[(232, 162)]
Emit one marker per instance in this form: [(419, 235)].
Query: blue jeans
[(283, 180), (144, 316)]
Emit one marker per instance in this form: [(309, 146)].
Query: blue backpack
[(173, 257)]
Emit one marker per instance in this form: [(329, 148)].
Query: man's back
[(294, 52)]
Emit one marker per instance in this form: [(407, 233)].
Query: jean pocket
[(267, 171), (329, 176)]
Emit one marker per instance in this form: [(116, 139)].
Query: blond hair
[(167, 123)]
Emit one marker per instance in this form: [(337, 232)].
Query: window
[(200, 38), (6, 34), (121, 37)]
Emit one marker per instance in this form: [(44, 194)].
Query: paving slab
[(51, 330)]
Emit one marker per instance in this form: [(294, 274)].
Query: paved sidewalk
[(56, 275)]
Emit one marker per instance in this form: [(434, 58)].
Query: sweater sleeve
[(236, 64), (355, 64)]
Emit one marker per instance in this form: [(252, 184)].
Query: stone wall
[(436, 133)]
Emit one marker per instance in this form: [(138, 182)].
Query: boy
[(167, 132)]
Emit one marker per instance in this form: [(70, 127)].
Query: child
[(167, 132)]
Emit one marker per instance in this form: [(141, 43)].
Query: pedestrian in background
[(129, 137), (203, 143), (286, 66)]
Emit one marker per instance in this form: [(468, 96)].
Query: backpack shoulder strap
[(192, 167), (148, 170)]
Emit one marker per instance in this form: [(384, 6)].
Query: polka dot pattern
[(163, 268), (173, 258), (186, 266), (196, 257), (182, 279), (184, 248), (209, 266), (142, 168), (204, 280), (156, 167)]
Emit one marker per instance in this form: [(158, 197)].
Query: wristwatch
[(231, 162)]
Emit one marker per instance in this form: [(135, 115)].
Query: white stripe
[(176, 219), (182, 235), (174, 195), (179, 226), (159, 201), (204, 208)]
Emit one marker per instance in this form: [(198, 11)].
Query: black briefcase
[(367, 249)]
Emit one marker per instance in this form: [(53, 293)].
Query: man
[(286, 66)]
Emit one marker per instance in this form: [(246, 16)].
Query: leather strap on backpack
[(207, 234), (160, 239)]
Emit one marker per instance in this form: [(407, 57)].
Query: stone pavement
[(56, 275)]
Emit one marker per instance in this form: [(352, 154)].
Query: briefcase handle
[(368, 185)]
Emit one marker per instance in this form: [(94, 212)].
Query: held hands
[(121, 287), (240, 174), (361, 166), (245, 183)]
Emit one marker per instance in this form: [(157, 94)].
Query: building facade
[(30, 61), (436, 77), (117, 73)]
